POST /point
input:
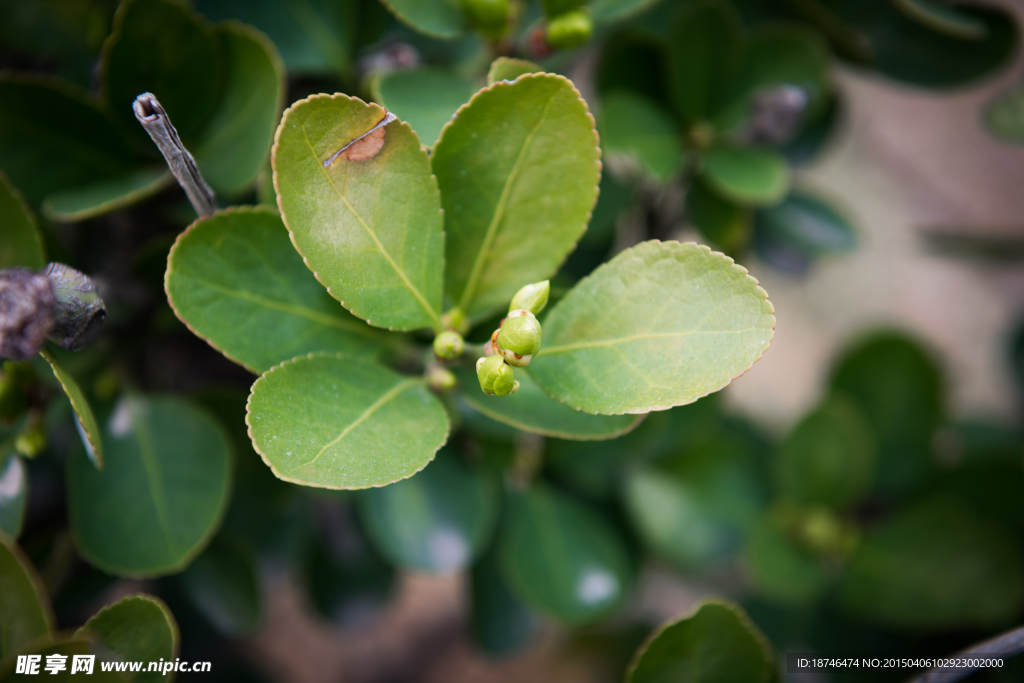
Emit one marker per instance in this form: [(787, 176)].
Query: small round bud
[(519, 338), (440, 379), (79, 312), (570, 30), (448, 345), (490, 16), (26, 313), (496, 378), (532, 298), (456, 320)]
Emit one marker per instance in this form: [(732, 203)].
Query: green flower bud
[(570, 30), (456, 320), (532, 298), (440, 379), (491, 16), (448, 345), (519, 338), (496, 378)]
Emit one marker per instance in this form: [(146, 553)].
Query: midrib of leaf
[(153, 477), (380, 247), (366, 414), (492, 230), (565, 348)]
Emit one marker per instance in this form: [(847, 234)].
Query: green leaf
[(518, 171), (435, 18), (424, 98), (531, 410), (943, 18), (235, 280), (371, 230), (65, 647), (509, 69), (43, 120), (716, 644), (634, 127), (616, 10), (224, 586), (313, 37), (746, 175), (780, 570), (1004, 115), (724, 223), (660, 325), (138, 628), (25, 611), (88, 428), (341, 422), (808, 224), (828, 458), (561, 558), (21, 244), (705, 54), (935, 566), (13, 492), (237, 139), (438, 521), (82, 202), (899, 387), (160, 46), (162, 491), (500, 623)]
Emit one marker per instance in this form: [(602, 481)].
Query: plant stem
[(1006, 645), (156, 122)]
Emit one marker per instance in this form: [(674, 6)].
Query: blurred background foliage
[(880, 522)]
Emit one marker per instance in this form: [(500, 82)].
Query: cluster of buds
[(515, 342)]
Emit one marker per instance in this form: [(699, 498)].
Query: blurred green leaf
[(52, 137), (716, 644), (136, 628), (13, 492), (814, 134), (933, 567), (531, 410), (636, 62), (424, 98), (224, 586), (660, 325), (21, 244), (500, 623), (1004, 115), (435, 18), (562, 558), (88, 428), (943, 18), (828, 458), (808, 224), (86, 201), (553, 8), (25, 610), (724, 223), (638, 129), (617, 10), (782, 571), (362, 425), (61, 646), (705, 54), (438, 521), (238, 137), (518, 171), (386, 210), (161, 493), (235, 280), (746, 175), (509, 69)]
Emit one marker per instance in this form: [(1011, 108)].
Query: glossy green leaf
[(616, 10), (138, 628), (935, 566), (780, 570), (88, 428), (162, 47), (435, 18), (424, 98), (82, 202), (716, 644), (25, 610), (237, 139), (746, 175), (236, 281), (313, 36), (500, 623), (224, 586), (638, 129), (42, 120), (724, 223), (562, 558), (20, 244), (13, 491), (943, 18), (509, 69), (371, 230), (660, 325), (340, 422), (161, 493), (808, 224), (899, 387), (531, 410), (1004, 115), (705, 54), (438, 521), (828, 458), (518, 171)]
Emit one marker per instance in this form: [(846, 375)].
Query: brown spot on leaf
[(367, 145)]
